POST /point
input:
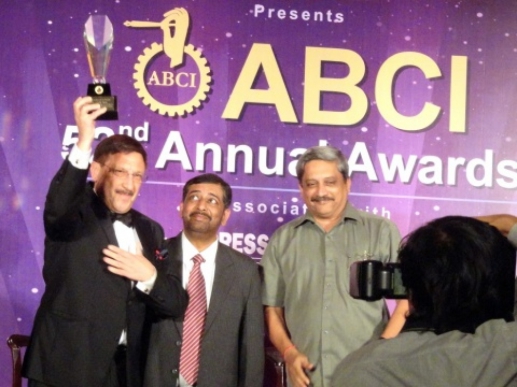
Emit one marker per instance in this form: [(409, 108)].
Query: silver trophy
[(98, 39)]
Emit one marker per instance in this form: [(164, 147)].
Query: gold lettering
[(260, 56), (315, 84), (384, 87)]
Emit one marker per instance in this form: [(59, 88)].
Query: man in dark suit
[(101, 274), (231, 344)]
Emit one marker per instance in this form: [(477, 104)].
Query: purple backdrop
[(421, 97)]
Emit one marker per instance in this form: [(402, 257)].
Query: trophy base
[(101, 94)]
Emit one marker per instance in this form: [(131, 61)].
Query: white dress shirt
[(207, 269)]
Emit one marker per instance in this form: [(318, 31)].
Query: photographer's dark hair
[(118, 143), (460, 273), (210, 178)]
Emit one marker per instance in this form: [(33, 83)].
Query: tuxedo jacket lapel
[(101, 213)]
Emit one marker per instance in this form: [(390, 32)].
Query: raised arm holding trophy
[(103, 268)]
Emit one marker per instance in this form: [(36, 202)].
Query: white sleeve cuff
[(147, 286), (79, 158)]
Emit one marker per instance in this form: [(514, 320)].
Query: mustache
[(125, 192), (319, 199), (200, 213)]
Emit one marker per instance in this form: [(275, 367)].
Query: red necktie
[(194, 323)]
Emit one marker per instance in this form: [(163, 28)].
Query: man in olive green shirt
[(312, 319)]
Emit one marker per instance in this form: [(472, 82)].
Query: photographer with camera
[(459, 273)]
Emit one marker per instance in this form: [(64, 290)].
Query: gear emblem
[(175, 28), (180, 109)]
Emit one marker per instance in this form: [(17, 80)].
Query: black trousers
[(117, 374), (35, 383)]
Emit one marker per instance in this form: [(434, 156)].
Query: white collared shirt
[(207, 267)]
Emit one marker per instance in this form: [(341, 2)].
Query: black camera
[(372, 280)]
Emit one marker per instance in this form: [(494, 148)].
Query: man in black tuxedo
[(101, 270), (232, 339)]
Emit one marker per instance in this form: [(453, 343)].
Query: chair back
[(16, 342), (274, 369)]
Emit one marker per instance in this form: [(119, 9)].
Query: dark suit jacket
[(232, 347), (85, 307)]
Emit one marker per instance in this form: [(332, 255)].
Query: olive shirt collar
[(350, 212)]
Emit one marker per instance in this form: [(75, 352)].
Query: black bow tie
[(126, 218)]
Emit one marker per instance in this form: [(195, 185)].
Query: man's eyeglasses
[(123, 174)]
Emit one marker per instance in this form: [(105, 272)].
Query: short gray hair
[(326, 153)]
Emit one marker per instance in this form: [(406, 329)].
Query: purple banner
[(420, 96)]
